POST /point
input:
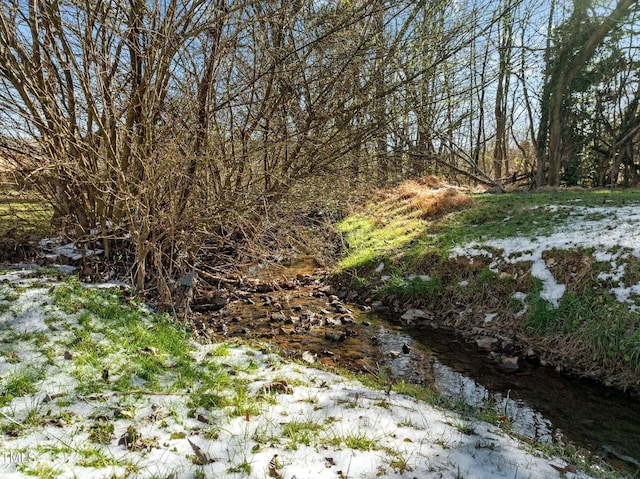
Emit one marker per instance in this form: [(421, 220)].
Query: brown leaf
[(202, 458), (273, 468), (203, 418)]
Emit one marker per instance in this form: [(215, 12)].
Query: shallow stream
[(306, 322)]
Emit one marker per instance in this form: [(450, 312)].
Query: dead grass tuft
[(432, 182), (430, 202)]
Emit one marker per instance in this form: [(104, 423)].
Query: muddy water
[(306, 322)]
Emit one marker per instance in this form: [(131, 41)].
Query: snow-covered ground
[(300, 422), (612, 232)]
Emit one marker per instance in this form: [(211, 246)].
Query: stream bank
[(305, 316)]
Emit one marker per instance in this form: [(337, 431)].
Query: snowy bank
[(96, 386)]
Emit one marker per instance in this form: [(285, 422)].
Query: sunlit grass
[(20, 383), (397, 226), (358, 441), (301, 432), (370, 242), (23, 214)]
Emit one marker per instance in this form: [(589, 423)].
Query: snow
[(613, 233), (353, 431)]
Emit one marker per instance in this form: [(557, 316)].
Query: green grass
[(20, 383), (243, 467), (382, 232), (91, 457), (301, 433), (23, 214), (135, 345), (595, 318), (358, 441), (101, 431), (370, 241), (415, 287)]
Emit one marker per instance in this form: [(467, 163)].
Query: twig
[(10, 419), (135, 391)]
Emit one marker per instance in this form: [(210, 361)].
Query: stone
[(333, 321), (486, 344), (507, 346), (347, 319), (278, 317), (308, 357), (335, 336), (413, 314), (187, 280), (509, 364), (379, 307)]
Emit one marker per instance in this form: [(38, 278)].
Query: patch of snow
[(29, 312), (522, 297), (489, 317), (71, 251), (605, 229)]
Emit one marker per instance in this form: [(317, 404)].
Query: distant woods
[(169, 124)]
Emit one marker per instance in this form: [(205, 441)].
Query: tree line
[(166, 123)]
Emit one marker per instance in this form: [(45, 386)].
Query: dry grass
[(433, 199)]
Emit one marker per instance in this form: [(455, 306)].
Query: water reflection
[(540, 403), (524, 419)]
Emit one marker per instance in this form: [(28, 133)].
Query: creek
[(293, 309)]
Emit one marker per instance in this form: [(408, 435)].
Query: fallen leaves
[(133, 440)]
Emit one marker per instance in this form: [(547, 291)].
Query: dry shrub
[(409, 189)]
